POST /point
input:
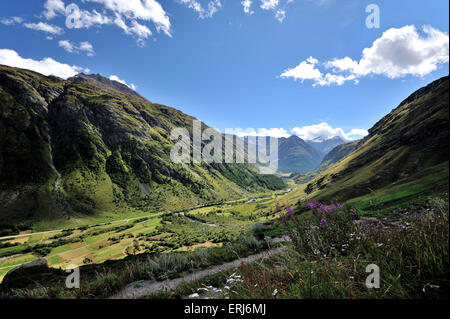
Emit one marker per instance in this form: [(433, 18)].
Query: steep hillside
[(338, 153), (88, 144), (295, 155), (408, 144), (326, 145)]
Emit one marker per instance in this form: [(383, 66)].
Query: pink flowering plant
[(326, 231)]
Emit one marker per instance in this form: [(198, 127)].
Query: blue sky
[(264, 68)]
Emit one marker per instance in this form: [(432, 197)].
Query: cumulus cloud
[(203, 12), (11, 21), (306, 70), (117, 79), (46, 66), (45, 27), (77, 48), (397, 53), (247, 4), (325, 131), (129, 15), (400, 52)]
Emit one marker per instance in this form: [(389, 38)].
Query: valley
[(87, 180)]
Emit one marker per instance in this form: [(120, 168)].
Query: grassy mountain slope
[(337, 153), (295, 155), (405, 147), (88, 145)]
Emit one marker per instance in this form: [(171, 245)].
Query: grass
[(103, 280), (433, 182), (413, 260)]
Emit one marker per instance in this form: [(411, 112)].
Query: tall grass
[(329, 259)]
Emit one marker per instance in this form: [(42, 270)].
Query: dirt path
[(148, 287)]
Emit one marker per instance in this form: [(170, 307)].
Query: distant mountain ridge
[(294, 154), (325, 145)]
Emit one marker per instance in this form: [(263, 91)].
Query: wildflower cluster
[(324, 232)]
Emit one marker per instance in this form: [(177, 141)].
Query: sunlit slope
[(399, 149), (87, 145)]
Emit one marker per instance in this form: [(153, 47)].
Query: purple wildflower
[(323, 222), (277, 206), (325, 208), (290, 210), (333, 207)]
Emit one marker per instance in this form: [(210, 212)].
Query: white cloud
[(325, 131), (274, 132), (74, 48), (397, 53), (269, 4), (148, 10), (53, 7), (277, 6), (400, 52), (66, 45), (11, 21), (306, 70), (203, 12), (358, 131), (247, 4), (280, 15), (45, 27), (46, 66), (117, 79), (125, 14), (87, 47)]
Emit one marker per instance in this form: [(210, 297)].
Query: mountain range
[(325, 145), (296, 155), (88, 144)]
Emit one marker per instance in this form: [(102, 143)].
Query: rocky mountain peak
[(102, 81)]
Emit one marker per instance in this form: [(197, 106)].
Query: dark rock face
[(89, 144)]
